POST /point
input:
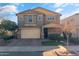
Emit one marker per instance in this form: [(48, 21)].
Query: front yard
[(52, 43), (54, 40)]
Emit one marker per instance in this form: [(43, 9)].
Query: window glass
[(50, 17), (30, 18), (39, 18)]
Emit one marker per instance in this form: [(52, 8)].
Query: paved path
[(25, 48), (32, 48)]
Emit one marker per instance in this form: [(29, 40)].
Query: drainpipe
[(67, 42), (77, 33)]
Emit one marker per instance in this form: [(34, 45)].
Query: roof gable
[(45, 11), (30, 12), (39, 10)]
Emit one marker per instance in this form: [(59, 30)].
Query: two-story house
[(37, 23)]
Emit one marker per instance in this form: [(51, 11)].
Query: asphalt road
[(31, 50), (33, 53)]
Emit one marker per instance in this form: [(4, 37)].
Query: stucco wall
[(72, 24)]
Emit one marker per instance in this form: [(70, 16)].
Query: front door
[(45, 33)]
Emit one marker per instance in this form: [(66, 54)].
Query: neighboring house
[(37, 23), (71, 24)]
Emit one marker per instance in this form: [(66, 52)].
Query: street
[(31, 50)]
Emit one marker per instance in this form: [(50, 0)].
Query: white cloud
[(65, 4), (70, 14), (76, 11), (54, 5), (59, 10), (58, 4), (8, 8), (16, 4), (8, 11), (76, 4), (66, 15)]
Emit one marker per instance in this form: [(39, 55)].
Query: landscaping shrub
[(52, 43), (56, 37), (7, 38), (8, 29)]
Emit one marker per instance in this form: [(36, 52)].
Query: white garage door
[(30, 33)]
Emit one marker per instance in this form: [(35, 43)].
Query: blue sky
[(9, 10)]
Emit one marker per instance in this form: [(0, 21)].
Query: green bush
[(7, 38), (52, 43), (56, 37)]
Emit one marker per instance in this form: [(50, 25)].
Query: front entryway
[(45, 33)]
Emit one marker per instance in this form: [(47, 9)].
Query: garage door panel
[(30, 33)]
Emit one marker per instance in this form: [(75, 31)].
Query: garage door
[(30, 33)]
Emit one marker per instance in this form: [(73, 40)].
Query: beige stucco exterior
[(35, 29), (71, 24)]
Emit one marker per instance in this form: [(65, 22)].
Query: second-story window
[(29, 18), (50, 18), (39, 18)]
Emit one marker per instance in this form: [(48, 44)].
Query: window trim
[(26, 18), (39, 18), (30, 20), (50, 17)]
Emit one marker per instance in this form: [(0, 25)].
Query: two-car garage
[(27, 33)]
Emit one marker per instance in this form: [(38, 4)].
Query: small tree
[(6, 28), (8, 25), (69, 34)]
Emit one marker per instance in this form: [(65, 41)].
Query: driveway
[(25, 42)]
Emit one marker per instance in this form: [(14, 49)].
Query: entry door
[(45, 33)]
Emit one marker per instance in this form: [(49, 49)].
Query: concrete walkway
[(32, 48), (25, 48)]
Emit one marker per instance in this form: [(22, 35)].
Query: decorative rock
[(60, 51)]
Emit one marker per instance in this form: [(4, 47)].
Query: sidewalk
[(32, 48)]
